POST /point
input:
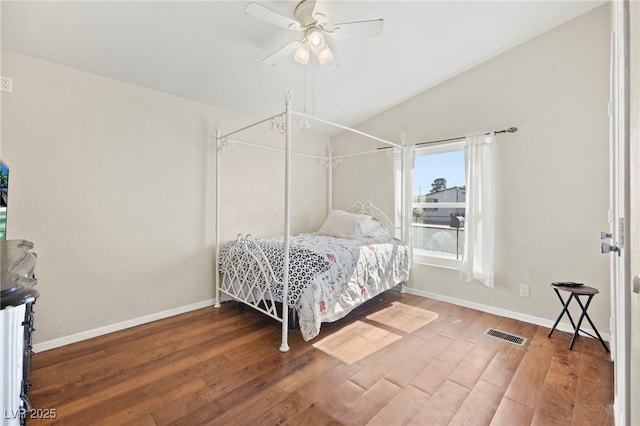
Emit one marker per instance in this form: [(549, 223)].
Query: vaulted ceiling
[(211, 51)]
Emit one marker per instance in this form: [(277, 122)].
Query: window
[(439, 205)]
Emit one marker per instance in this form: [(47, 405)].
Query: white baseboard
[(62, 341), (565, 327)]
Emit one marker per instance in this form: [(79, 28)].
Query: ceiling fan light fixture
[(302, 54), (316, 40), (325, 55)]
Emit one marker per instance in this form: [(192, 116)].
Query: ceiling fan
[(311, 20)]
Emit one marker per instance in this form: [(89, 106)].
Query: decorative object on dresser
[(17, 265), (4, 198)]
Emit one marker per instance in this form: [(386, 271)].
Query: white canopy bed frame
[(262, 297)]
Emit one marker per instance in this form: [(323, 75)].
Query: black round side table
[(575, 291)]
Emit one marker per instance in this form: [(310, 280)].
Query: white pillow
[(347, 225), (378, 231)]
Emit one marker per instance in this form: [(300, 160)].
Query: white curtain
[(477, 260), (404, 165)]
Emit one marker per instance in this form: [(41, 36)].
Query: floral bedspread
[(359, 270)]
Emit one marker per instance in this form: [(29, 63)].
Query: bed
[(322, 276), (351, 259)]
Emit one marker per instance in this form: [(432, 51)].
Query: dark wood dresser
[(17, 266)]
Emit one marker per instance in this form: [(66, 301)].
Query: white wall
[(552, 190), (254, 202), (114, 184)]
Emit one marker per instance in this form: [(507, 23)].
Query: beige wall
[(552, 176), (114, 184)]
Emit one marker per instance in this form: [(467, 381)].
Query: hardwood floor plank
[(512, 413), (145, 420), (369, 403), (557, 341), (270, 402), (479, 406), (436, 372), (440, 408), (473, 365), (593, 402), (403, 317), (556, 402), (143, 409), (222, 379), (401, 409), (377, 365), (310, 390), (503, 365), (528, 381), (474, 332), (402, 373), (237, 404), (314, 416), (462, 320), (357, 341), (346, 393), (118, 395), (435, 327)]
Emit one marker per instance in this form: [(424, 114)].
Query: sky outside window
[(448, 165)]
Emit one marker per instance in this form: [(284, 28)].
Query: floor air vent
[(516, 340)]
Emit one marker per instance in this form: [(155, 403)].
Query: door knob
[(605, 235), (608, 248)]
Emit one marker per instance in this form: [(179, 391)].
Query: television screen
[(4, 198)]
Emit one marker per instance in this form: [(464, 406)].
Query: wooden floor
[(400, 360)]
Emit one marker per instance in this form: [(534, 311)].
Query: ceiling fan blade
[(372, 28), (258, 11), (320, 11), (285, 50)]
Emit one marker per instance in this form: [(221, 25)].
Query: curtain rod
[(509, 130)]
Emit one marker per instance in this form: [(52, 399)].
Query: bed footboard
[(248, 277)]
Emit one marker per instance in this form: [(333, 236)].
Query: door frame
[(620, 208)]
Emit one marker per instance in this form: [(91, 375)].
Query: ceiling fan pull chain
[(306, 88), (313, 90)]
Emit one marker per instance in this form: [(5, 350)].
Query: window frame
[(423, 258)]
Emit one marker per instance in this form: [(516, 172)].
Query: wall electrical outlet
[(6, 84), (524, 290)]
